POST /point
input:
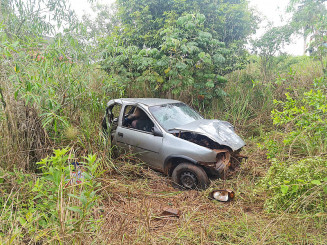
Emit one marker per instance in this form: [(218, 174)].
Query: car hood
[(221, 132)]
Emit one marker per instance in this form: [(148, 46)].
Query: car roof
[(145, 101)]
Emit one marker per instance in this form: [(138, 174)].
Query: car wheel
[(190, 176)]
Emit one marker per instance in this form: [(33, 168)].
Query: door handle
[(120, 134)]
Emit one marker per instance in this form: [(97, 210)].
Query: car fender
[(180, 158)]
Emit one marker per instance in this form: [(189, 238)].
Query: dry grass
[(23, 140), (135, 196)]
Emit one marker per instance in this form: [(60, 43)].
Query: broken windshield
[(173, 115)]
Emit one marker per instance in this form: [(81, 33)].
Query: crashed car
[(174, 139)]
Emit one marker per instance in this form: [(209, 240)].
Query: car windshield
[(171, 116)]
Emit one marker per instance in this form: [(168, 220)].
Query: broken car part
[(222, 195)]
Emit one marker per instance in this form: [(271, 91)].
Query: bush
[(300, 186), (297, 179), (304, 121), (50, 207)]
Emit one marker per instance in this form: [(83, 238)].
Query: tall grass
[(249, 99), (49, 100), (52, 208)]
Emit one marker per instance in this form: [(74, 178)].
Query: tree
[(143, 20), (34, 18), (269, 45), (229, 21), (178, 46), (105, 23), (310, 19), (318, 43), (188, 62), (306, 14)]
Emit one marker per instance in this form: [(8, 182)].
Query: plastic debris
[(76, 176)]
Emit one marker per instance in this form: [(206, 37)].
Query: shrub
[(305, 122), (299, 186), (35, 209), (297, 179)]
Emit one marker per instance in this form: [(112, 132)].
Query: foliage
[(269, 45), (61, 91), (298, 186), (38, 80), (51, 95), (249, 97), (309, 19), (105, 23), (188, 61), (305, 15), (50, 207), (226, 20), (177, 47), (29, 19), (318, 45), (305, 120), (301, 123), (248, 100)]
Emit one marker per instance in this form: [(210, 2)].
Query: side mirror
[(157, 132)]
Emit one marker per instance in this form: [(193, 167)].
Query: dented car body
[(173, 138)]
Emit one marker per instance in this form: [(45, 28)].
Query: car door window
[(136, 118)]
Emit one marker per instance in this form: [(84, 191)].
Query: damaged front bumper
[(226, 163)]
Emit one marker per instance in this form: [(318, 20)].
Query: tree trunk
[(305, 44)]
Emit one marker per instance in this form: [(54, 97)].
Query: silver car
[(172, 138)]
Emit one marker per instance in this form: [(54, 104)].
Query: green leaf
[(75, 209), (295, 188), (22, 221), (38, 196), (87, 176), (284, 189), (316, 182), (210, 84)]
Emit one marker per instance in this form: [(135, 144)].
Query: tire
[(189, 176)]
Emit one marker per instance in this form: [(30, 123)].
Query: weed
[(50, 207)]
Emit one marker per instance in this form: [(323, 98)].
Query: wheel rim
[(188, 180)]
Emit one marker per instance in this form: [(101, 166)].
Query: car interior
[(135, 117)]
